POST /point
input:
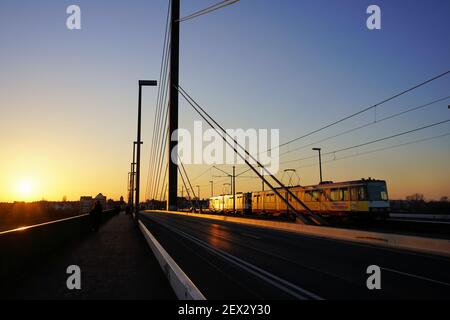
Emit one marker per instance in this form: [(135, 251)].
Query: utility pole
[(132, 188), (141, 83), (223, 195), (129, 189), (262, 181), (198, 201), (138, 161), (133, 175), (212, 188), (173, 104), (320, 162), (234, 189)]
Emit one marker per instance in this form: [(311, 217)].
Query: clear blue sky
[(68, 98)]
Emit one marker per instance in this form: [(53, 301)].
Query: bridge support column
[(173, 106)]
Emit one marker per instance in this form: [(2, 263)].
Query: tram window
[(354, 193), (315, 195), (326, 194), (345, 194), (337, 195), (362, 193), (334, 194)]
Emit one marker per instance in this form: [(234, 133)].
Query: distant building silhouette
[(86, 203), (102, 199)]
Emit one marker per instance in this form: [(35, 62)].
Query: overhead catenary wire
[(372, 141), (209, 9), (377, 150), (363, 110), (202, 174), (367, 124)]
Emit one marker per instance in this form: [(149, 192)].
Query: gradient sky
[(68, 99)]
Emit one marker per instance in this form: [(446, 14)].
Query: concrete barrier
[(413, 243), (183, 287), (23, 248)]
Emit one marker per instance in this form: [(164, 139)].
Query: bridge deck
[(115, 263)]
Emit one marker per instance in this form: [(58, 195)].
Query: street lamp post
[(132, 179), (198, 195), (198, 191), (232, 184), (133, 174), (212, 188), (130, 190), (223, 196), (142, 83), (233, 188), (320, 162)]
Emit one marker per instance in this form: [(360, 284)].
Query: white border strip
[(183, 287)]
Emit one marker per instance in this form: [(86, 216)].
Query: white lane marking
[(251, 235), (416, 276), (278, 282)]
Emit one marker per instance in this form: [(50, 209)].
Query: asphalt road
[(232, 261)]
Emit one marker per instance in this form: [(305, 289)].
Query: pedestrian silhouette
[(95, 214)]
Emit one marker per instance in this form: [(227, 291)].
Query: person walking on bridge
[(95, 214)]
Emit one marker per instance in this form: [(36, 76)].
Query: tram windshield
[(377, 191)]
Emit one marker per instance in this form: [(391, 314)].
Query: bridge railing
[(24, 248)]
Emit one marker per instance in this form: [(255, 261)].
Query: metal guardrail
[(26, 247), (42, 224)]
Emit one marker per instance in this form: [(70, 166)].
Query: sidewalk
[(115, 263)]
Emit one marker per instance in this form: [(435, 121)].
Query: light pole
[(233, 189), (198, 195), (130, 190), (223, 195), (142, 83), (198, 191), (320, 162), (133, 174), (232, 184), (212, 188)]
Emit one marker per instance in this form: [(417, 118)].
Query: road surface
[(231, 261)]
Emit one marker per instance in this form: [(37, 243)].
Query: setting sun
[(25, 188)]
